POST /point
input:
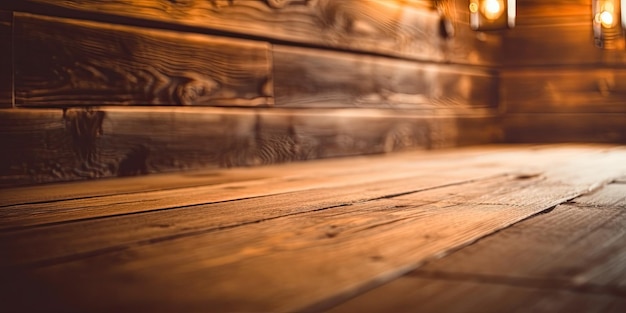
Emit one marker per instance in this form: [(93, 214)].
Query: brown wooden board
[(394, 27), (551, 34), (429, 294), (6, 59), (317, 78), (303, 260), (579, 246), (55, 145), (563, 90), (564, 127), (65, 62)]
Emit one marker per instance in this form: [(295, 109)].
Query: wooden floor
[(480, 229)]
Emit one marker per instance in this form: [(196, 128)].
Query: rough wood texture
[(120, 141), (61, 62), (424, 294), (581, 89), (563, 127), (577, 246), (326, 245), (394, 27), (314, 78), (6, 59)]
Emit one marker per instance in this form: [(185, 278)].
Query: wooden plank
[(567, 90), (87, 63), (29, 214), (564, 127), (393, 27), (298, 170), (34, 210), (320, 254), (123, 141), (312, 169), (6, 57), (120, 232), (577, 246), (408, 294), (316, 78)]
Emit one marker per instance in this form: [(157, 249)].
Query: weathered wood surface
[(582, 89), (394, 27), (434, 294), (316, 78), (564, 127), (577, 246), (64, 62), (550, 33), (324, 253), (124, 141), (6, 57)]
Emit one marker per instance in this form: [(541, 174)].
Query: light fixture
[(492, 14), (608, 24)]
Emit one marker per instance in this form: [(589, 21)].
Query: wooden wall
[(555, 85), (101, 88)]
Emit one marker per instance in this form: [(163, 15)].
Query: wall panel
[(49, 145), (314, 78), (394, 27), (6, 58), (64, 62)]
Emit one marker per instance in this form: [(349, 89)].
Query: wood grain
[(126, 141), (392, 27), (579, 246), (6, 59), (554, 33), (322, 254), (429, 294), (564, 90), (564, 127), (64, 62), (316, 78)]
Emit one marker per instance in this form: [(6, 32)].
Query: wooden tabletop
[(478, 229)]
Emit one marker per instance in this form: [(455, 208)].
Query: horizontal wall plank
[(315, 78), (121, 141), (6, 59), (566, 90), (563, 127), (61, 62), (393, 27)]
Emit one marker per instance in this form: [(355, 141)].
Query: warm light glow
[(606, 18), (473, 7), (492, 9)]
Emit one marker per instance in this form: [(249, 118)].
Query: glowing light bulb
[(606, 18), (492, 9)]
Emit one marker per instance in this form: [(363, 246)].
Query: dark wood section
[(410, 29), (562, 127), (314, 78), (308, 236), (570, 90), (6, 59), (55, 145), (61, 62)]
